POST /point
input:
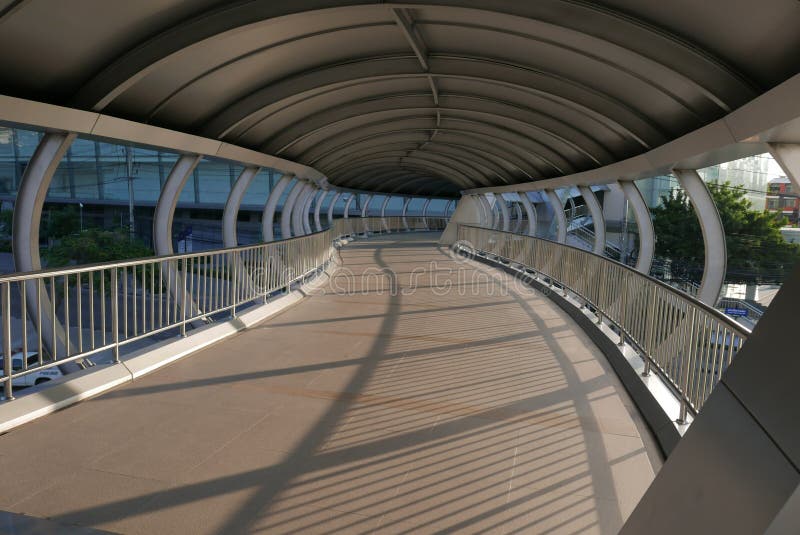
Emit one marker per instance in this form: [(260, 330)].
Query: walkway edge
[(663, 428), (99, 379)]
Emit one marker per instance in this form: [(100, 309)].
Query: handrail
[(686, 341), (81, 311)]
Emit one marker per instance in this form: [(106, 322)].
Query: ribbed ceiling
[(419, 97)]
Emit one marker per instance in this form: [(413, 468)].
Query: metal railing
[(83, 311), (688, 343)]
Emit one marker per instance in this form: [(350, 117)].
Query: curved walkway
[(413, 394)]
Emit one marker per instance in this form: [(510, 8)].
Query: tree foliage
[(95, 245), (757, 251)]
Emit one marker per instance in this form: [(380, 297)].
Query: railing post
[(5, 295), (686, 363), (650, 325), (623, 305), (115, 312), (234, 285), (183, 299)]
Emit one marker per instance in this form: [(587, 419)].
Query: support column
[(518, 224), (332, 206), (268, 217), (716, 253), (297, 210), (487, 210), (788, 157), (365, 208), (305, 212), (288, 208), (479, 201), (598, 220), (317, 208), (530, 211), (384, 205), (425, 212), (505, 214), (27, 217), (231, 212), (162, 229), (405, 211), (347, 205), (383, 214), (644, 223), (168, 200), (558, 214)]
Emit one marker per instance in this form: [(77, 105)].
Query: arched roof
[(430, 96)]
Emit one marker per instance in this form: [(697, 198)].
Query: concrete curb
[(96, 380)]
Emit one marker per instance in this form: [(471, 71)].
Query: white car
[(34, 377)]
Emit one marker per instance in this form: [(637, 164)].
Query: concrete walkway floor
[(415, 393)]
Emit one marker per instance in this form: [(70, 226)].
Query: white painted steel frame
[(716, 254), (268, 216), (558, 214), (598, 221), (231, 211), (644, 222)]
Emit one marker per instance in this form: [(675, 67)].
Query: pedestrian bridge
[(411, 391)]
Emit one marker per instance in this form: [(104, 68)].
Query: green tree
[(757, 251), (95, 245), (61, 221)]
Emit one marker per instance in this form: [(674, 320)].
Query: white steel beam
[(168, 200), (647, 241), (365, 208), (347, 205), (331, 206), (298, 209), (425, 212), (27, 217), (306, 213), (788, 157), (505, 215), (716, 253), (268, 217), (598, 220), (231, 211), (530, 211), (317, 208), (558, 214), (288, 207)]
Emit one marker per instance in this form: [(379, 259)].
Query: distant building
[(752, 173), (782, 199)]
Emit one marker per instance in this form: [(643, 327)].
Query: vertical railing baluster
[(114, 301), (8, 368)]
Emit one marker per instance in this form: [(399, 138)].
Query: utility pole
[(129, 166)]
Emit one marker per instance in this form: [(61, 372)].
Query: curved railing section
[(689, 343), (94, 310)]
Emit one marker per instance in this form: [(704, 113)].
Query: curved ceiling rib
[(287, 136), (246, 109), (554, 156), (423, 96), (531, 157), (440, 166), (146, 55), (473, 145), (485, 167), (460, 176), (355, 122)]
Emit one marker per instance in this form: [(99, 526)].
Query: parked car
[(35, 377)]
